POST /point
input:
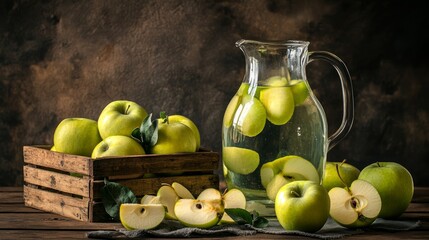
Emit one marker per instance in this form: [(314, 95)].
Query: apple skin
[(302, 206), (174, 137), (395, 185), (348, 173), (76, 136), (188, 122), (120, 117), (117, 146)]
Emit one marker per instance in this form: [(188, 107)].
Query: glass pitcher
[(274, 128)]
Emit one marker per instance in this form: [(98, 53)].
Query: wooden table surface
[(20, 222)]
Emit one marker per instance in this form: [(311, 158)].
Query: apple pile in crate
[(125, 128)]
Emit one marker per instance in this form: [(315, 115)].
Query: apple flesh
[(233, 198), (240, 160), (281, 171), (182, 191), (168, 197), (141, 216), (279, 104), (395, 185), (199, 213), (302, 205), (357, 206)]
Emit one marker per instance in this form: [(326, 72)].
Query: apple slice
[(147, 199), (233, 198), (250, 116), (290, 168), (168, 197), (141, 216), (299, 90), (357, 206), (240, 160), (279, 104), (182, 191), (199, 213), (210, 194)]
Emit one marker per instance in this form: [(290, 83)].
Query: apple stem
[(295, 193), (164, 117), (343, 162), (128, 108), (337, 166)]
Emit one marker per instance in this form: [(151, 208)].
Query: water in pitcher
[(297, 129)]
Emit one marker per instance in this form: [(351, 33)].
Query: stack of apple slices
[(176, 202)]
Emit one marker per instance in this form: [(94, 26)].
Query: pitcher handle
[(346, 86)]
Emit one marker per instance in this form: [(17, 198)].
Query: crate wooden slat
[(49, 185)]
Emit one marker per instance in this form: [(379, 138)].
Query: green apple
[(250, 116), (284, 170), (76, 136), (395, 185), (233, 198), (117, 146), (199, 213), (276, 81), (240, 160), (120, 117), (302, 205), (357, 206), (299, 90), (279, 104), (141, 216), (332, 179), (189, 123), (174, 137)]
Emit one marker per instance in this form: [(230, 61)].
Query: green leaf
[(239, 215), (242, 216), (147, 133), (113, 195)]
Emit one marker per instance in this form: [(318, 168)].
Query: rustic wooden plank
[(11, 197), (43, 234), (60, 161), (29, 221), (58, 181), (17, 208), (57, 203), (143, 186), (156, 163), (421, 194)]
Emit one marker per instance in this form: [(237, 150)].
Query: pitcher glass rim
[(284, 43)]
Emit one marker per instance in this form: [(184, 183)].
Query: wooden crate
[(49, 186)]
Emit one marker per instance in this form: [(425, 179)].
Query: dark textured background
[(63, 59)]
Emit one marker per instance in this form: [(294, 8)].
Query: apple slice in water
[(198, 213), (141, 216), (233, 105), (182, 191), (357, 206), (287, 169), (240, 160), (167, 197), (299, 90), (233, 198), (250, 116), (279, 104)]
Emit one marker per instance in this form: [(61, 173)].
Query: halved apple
[(168, 197), (283, 170), (182, 191), (357, 206), (199, 213), (233, 198), (141, 216), (240, 160)]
